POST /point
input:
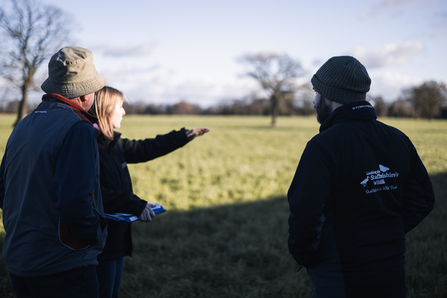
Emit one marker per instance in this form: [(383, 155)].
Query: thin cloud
[(125, 51), (122, 71), (391, 85), (442, 18), (396, 6), (432, 11), (439, 24), (165, 89), (389, 55)]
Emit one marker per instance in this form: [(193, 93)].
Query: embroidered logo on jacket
[(378, 179)]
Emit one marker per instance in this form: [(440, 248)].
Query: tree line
[(428, 100)]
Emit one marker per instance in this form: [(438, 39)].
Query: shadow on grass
[(237, 250), (426, 257), (240, 250)]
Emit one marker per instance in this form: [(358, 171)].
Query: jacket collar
[(105, 142), (356, 111), (85, 116)]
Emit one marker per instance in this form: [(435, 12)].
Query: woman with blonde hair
[(116, 184)]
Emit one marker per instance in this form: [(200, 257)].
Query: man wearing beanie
[(49, 186), (358, 188)]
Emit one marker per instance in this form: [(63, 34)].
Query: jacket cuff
[(138, 208)]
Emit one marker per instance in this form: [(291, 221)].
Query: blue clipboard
[(130, 217)]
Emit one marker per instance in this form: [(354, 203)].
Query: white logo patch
[(379, 179)]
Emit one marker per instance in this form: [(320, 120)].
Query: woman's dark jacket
[(116, 184)]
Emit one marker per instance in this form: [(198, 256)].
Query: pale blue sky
[(165, 51)]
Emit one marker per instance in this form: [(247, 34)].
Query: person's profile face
[(316, 99), (323, 108), (88, 102), (117, 115)]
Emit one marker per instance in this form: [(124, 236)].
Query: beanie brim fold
[(342, 79), (343, 96)]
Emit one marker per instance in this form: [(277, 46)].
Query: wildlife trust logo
[(378, 179)]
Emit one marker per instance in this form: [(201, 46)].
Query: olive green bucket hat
[(71, 73)]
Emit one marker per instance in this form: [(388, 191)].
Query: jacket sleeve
[(2, 182), (148, 149), (122, 202), (418, 197), (307, 195), (75, 177)]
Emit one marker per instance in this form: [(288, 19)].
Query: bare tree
[(400, 108), (427, 99), (32, 32), (277, 74), (379, 104), (184, 108), (304, 100)]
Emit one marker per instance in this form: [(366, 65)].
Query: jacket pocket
[(68, 239)]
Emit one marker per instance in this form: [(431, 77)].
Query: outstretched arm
[(148, 149)]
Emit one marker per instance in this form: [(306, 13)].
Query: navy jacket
[(359, 187), (116, 183), (49, 191)]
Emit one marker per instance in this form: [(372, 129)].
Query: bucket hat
[(71, 73)]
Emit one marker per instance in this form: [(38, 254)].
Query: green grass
[(225, 232)]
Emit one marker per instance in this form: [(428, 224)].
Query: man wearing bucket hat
[(49, 186), (358, 188)]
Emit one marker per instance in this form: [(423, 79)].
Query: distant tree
[(251, 104), (3, 94), (32, 33), (184, 108), (277, 75), (400, 108), (427, 99), (380, 106), (256, 104), (304, 100), (136, 107), (154, 109)]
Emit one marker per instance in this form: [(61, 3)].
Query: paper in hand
[(158, 209), (130, 217)]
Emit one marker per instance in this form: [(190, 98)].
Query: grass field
[(225, 232)]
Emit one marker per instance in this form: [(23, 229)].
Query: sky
[(162, 52)]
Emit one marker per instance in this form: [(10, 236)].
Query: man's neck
[(334, 104)]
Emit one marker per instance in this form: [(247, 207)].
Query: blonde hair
[(106, 100)]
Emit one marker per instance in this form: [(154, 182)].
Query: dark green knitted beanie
[(342, 79)]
